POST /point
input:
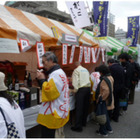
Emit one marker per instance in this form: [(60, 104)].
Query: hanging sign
[(93, 51), (79, 13), (94, 56), (55, 32), (81, 54), (64, 54), (72, 54), (103, 55), (80, 36), (40, 50), (70, 39), (8, 46), (24, 44), (99, 49), (85, 55), (89, 52)]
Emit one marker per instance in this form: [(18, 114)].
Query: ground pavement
[(127, 127)]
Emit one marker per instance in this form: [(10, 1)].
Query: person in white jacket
[(11, 110)]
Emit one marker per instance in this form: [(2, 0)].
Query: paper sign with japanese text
[(94, 51), (24, 43), (72, 54), (40, 50), (55, 32), (85, 55), (89, 52), (81, 54), (70, 39), (79, 13), (103, 55), (64, 54)]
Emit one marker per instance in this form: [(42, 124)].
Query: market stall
[(68, 43), (112, 45)]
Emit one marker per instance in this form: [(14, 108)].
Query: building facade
[(120, 34)]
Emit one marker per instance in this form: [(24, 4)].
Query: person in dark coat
[(117, 72), (135, 79), (128, 75)]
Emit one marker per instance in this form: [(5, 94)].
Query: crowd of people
[(114, 81)]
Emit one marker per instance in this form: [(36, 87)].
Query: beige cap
[(2, 84)]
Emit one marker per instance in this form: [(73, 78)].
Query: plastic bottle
[(29, 80)]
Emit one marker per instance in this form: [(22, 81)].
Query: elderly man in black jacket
[(117, 73)]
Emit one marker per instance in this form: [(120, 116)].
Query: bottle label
[(17, 86), (33, 96)]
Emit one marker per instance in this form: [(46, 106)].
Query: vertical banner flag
[(72, 54), (133, 29), (64, 54), (40, 50), (81, 54), (24, 43), (78, 13), (100, 12)]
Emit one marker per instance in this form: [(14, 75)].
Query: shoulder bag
[(101, 111), (12, 132)]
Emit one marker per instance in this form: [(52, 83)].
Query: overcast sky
[(121, 9)]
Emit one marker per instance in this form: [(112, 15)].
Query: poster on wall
[(40, 50), (64, 54), (24, 44)]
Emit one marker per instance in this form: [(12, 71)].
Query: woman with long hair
[(11, 111)]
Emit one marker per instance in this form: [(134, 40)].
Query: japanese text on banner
[(64, 54), (40, 51)]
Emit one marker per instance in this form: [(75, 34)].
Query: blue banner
[(133, 30), (100, 12)]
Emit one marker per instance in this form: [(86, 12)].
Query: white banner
[(78, 13), (98, 53), (8, 46), (24, 43), (85, 55), (81, 54), (70, 38), (64, 54), (40, 50), (72, 54), (103, 54), (93, 55), (89, 52)]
